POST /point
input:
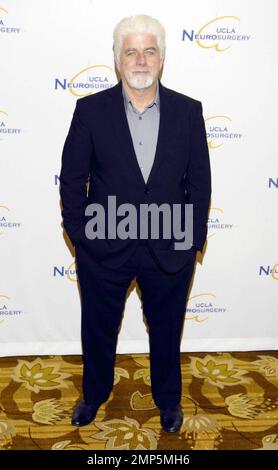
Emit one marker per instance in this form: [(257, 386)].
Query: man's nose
[(141, 59)]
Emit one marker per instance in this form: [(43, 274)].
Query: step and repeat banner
[(221, 53)]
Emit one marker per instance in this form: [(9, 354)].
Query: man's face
[(139, 62)]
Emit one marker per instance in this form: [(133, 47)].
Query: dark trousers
[(103, 294)]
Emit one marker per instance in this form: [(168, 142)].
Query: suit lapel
[(120, 124)]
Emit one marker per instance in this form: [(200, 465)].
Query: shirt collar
[(127, 100)]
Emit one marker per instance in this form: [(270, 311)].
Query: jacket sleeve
[(198, 177), (75, 169)]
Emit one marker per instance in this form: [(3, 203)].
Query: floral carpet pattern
[(229, 401)]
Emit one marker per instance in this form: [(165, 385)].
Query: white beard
[(139, 82)]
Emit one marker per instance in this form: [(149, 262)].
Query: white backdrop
[(222, 53)]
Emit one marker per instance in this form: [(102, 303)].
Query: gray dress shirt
[(144, 131)]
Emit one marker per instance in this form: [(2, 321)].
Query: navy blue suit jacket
[(98, 160)]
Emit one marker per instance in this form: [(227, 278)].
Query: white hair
[(138, 24)]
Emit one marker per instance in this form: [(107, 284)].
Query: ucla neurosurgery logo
[(217, 221), (220, 129), (7, 222), (268, 270), (87, 81), (273, 183), (69, 273), (219, 34), (5, 309), (5, 128), (200, 307), (6, 28)]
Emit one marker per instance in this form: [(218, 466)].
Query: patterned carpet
[(229, 402)]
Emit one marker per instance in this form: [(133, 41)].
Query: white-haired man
[(146, 145)]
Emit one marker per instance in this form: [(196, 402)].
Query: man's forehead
[(135, 39)]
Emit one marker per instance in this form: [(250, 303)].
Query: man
[(143, 144)]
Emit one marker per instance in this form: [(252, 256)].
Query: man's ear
[(117, 64)]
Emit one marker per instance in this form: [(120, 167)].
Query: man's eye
[(150, 52)]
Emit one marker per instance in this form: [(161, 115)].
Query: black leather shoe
[(83, 414), (171, 418)]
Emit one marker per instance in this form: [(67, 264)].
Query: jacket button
[(146, 190)]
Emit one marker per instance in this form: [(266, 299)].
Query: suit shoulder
[(185, 99), (94, 98)]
